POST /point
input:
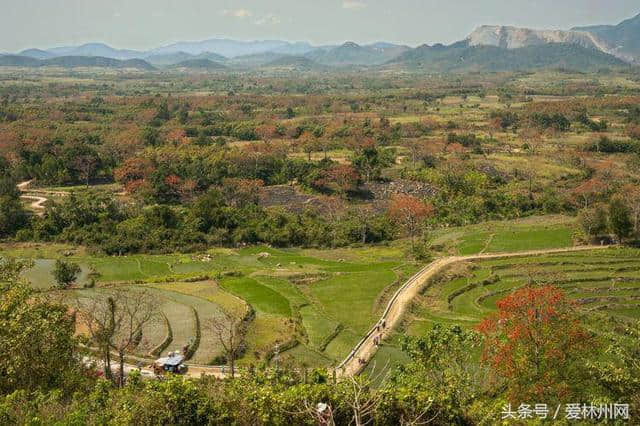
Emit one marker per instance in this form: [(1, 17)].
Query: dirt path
[(38, 201), (37, 196), (366, 348)]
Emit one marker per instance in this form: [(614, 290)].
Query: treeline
[(96, 220)]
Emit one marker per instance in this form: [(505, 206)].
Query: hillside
[(199, 64), (175, 58), (624, 37), (353, 54), (96, 49), (18, 61), (74, 62), (255, 60), (37, 54), (514, 38), (461, 57), (296, 63)]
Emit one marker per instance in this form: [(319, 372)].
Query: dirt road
[(37, 196), (401, 300)]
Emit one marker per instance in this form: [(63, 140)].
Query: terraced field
[(605, 284), (314, 305), (603, 281)]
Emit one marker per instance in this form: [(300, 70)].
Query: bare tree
[(87, 166), (229, 331), (116, 323), (98, 316), (322, 413), (362, 401), (136, 308)]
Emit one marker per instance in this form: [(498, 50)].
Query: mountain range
[(488, 48)]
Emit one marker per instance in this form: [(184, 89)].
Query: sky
[(145, 24)]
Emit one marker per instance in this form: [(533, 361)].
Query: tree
[(134, 172), (36, 336), (86, 166), (117, 322), (370, 161), (632, 195), (65, 273), (536, 344), (589, 190), (442, 361), (12, 215), (620, 218), (594, 222), (410, 212), (229, 332), (340, 178)]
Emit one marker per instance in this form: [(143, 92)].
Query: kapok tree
[(536, 344), (410, 212), (589, 190)]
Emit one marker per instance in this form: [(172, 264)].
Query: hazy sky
[(143, 24)]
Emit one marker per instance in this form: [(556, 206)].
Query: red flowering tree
[(537, 345), (410, 212), (134, 172), (340, 179), (589, 190)]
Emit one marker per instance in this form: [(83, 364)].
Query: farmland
[(324, 305), (315, 303), (604, 285), (292, 209)]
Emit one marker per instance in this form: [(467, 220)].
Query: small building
[(173, 363)]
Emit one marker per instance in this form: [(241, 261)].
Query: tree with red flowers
[(589, 190), (410, 212), (339, 178), (134, 172), (536, 344)]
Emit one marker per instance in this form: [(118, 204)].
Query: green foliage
[(36, 336), (594, 222), (66, 273), (443, 363), (620, 218)]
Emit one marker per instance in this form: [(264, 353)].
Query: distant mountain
[(294, 49), (199, 64), (37, 54), (353, 54), (514, 38), (224, 47), (621, 41), (463, 57), (19, 61), (74, 62), (295, 63), (255, 60), (168, 58), (96, 49), (591, 47), (174, 58), (623, 38)]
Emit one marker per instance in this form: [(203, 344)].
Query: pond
[(40, 276)]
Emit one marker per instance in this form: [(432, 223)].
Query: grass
[(533, 233)]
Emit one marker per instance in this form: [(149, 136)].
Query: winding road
[(401, 300), (37, 196)]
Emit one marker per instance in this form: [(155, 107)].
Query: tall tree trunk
[(121, 378), (107, 364)]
